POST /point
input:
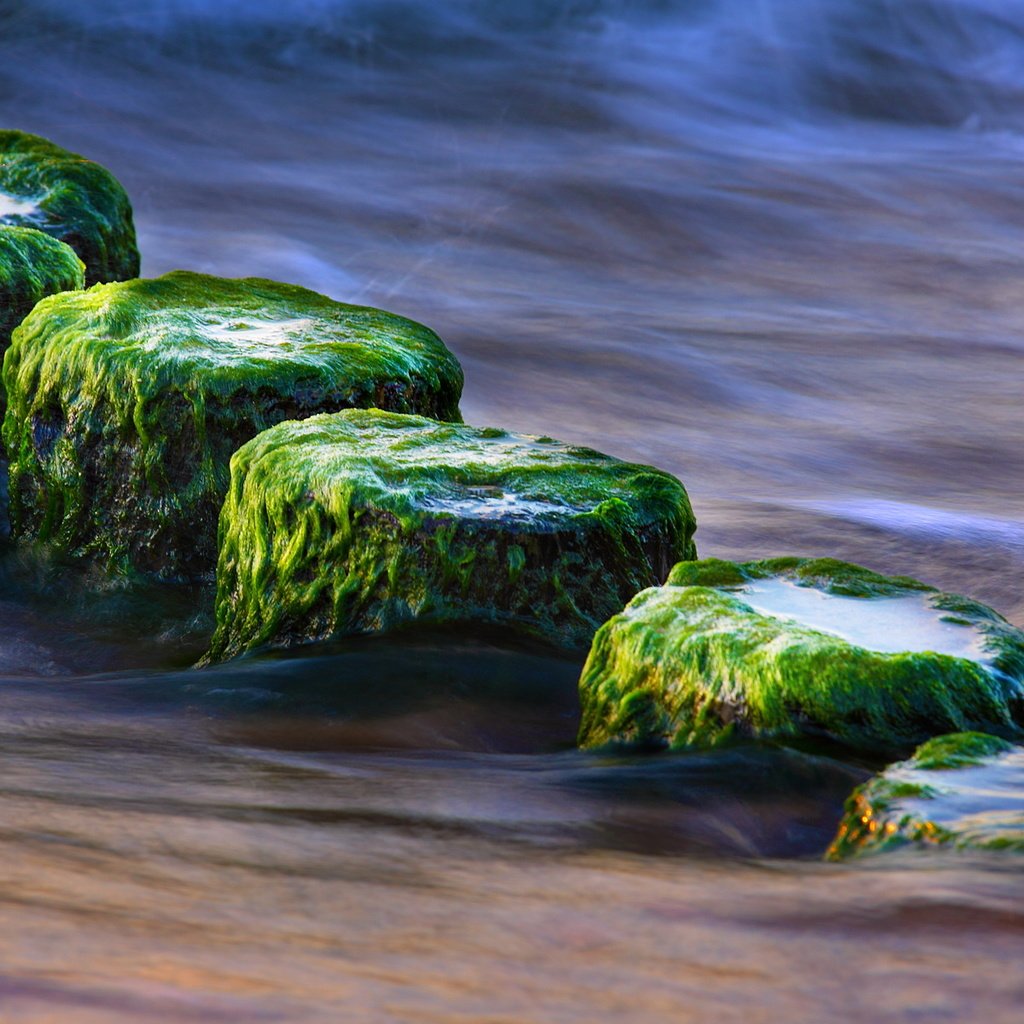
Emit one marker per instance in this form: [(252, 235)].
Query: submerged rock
[(799, 647), (126, 402), (965, 791), (363, 521), (81, 203)]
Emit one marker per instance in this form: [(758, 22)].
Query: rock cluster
[(326, 440)]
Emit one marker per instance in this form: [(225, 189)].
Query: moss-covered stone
[(793, 648), (126, 402), (81, 203), (363, 521), (965, 791), (32, 266)]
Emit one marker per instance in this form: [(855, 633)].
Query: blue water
[(774, 246)]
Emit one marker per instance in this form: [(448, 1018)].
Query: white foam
[(494, 503), (229, 341), (13, 206), (258, 337), (887, 624)]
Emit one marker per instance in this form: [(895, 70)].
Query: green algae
[(32, 266), (71, 198), (364, 521), (962, 791), (693, 663), (127, 401)]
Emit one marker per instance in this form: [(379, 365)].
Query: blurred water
[(772, 246)]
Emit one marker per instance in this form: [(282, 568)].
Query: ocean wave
[(927, 62)]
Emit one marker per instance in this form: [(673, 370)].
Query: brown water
[(773, 247)]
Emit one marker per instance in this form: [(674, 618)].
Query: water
[(16, 210), (887, 624), (772, 247)]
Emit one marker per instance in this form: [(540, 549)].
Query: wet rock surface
[(965, 790), (127, 401), (364, 521), (71, 198), (794, 648)]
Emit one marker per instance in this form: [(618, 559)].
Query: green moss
[(32, 266), (127, 401), (687, 665), (364, 521), (81, 203), (827, 574), (959, 750), (960, 791)]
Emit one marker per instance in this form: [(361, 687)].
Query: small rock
[(81, 203), (964, 791)]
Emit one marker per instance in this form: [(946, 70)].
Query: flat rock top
[(189, 323), (410, 464), (965, 790), (853, 605)]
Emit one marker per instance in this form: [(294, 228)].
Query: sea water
[(774, 248)]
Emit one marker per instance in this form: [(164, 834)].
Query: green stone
[(365, 521), (32, 266), (799, 648), (126, 402), (81, 203), (963, 791)]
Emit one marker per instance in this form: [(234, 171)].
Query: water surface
[(774, 248)]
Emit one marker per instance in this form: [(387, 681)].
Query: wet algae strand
[(790, 648), (963, 791), (81, 203), (126, 402), (364, 521)]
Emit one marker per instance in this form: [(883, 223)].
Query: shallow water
[(888, 624), (774, 248)]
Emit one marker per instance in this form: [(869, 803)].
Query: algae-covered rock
[(126, 402), (32, 266), (964, 791), (81, 203), (363, 521), (799, 647)]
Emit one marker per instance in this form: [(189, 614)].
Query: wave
[(927, 62)]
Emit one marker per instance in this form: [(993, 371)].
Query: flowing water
[(773, 246)]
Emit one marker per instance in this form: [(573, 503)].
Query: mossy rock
[(81, 203), (126, 402), (364, 521), (32, 266), (963, 791), (792, 648)]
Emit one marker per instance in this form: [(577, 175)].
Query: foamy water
[(15, 208)]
